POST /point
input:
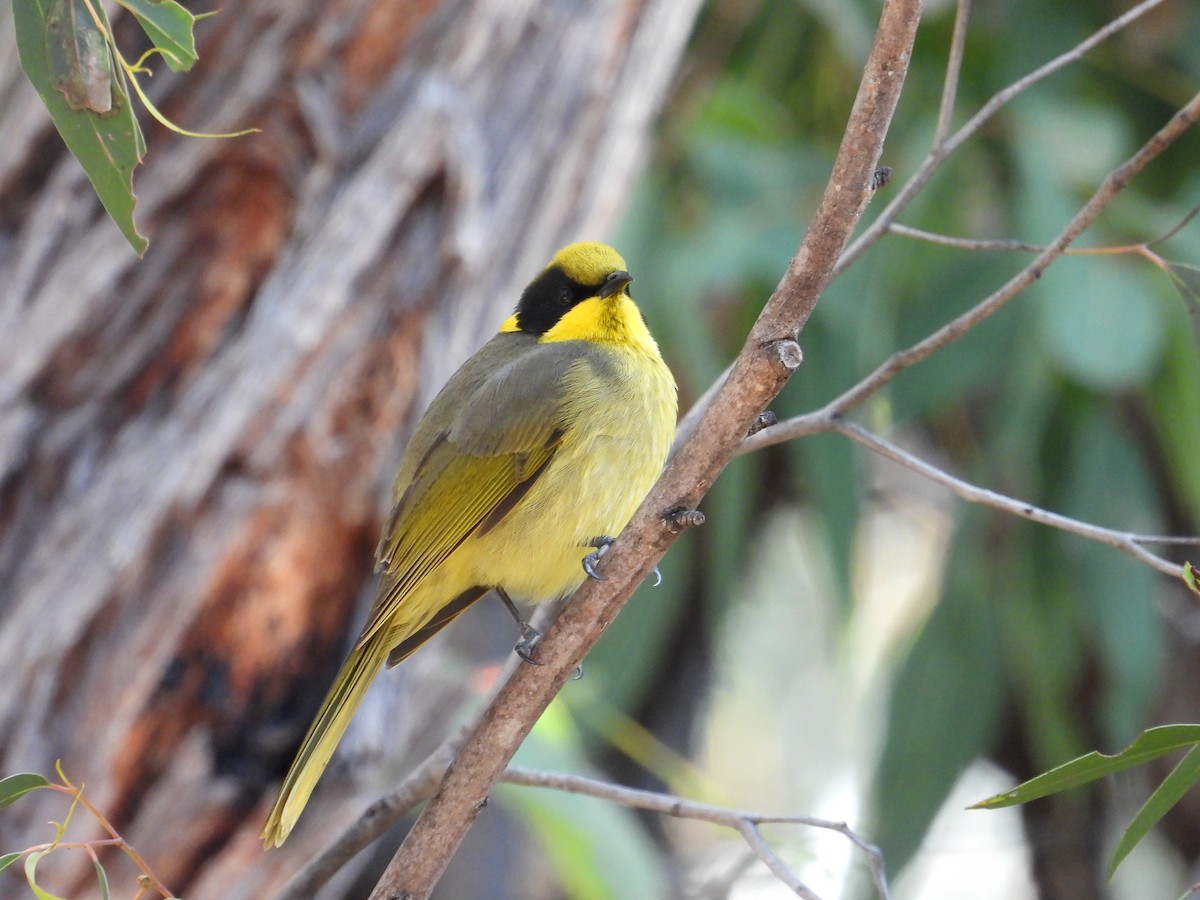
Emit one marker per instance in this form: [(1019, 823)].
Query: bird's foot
[(590, 561), (602, 544), (530, 638)]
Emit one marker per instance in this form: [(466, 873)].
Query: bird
[(527, 463)]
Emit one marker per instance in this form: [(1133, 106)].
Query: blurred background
[(195, 449)]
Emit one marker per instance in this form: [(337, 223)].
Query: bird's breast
[(619, 417)]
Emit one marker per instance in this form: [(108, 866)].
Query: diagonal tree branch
[(769, 357)]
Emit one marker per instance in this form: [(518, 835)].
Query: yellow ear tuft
[(588, 262)]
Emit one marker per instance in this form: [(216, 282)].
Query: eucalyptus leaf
[(78, 55), (1186, 279), (101, 879), (1150, 745), (1181, 780), (109, 145), (31, 863), (170, 27), (14, 787)]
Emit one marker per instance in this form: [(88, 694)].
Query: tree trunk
[(196, 448)]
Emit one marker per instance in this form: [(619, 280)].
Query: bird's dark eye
[(564, 297)]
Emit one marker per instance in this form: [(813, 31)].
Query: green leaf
[(39, 892), (1186, 279), (8, 859), (14, 787), (1150, 745), (101, 878), (1189, 578), (108, 146), (169, 26), (1165, 796), (77, 52)]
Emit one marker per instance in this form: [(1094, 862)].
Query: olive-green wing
[(500, 432)]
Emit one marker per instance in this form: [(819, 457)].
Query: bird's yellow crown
[(588, 262)]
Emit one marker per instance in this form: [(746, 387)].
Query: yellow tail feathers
[(323, 736)]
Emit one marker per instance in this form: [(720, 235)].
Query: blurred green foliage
[(1081, 396)]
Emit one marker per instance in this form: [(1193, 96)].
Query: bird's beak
[(615, 283)]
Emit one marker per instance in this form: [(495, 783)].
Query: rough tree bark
[(195, 447)]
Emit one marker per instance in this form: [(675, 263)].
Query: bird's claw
[(530, 638), (592, 559)]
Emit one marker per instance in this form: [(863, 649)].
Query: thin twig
[(755, 841), (114, 837), (830, 419), (958, 43), (680, 808), (1167, 539), (1178, 228), (946, 240), (1125, 541), (940, 151)]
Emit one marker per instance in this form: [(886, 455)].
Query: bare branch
[(1177, 228), (958, 43), (763, 367), (1125, 541), (942, 150), (946, 240), (745, 821), (754, 840), (827, 420), (1181, 540)]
